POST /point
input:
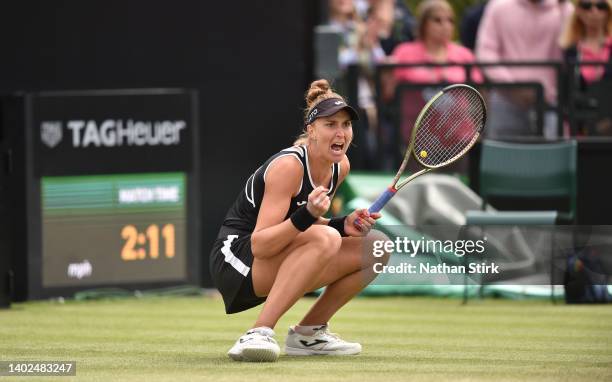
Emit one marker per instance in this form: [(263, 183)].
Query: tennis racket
[(446, 128)]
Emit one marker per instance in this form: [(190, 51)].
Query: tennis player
[(274, 245)]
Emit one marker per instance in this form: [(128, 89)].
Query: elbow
[(259, 247), (256, 246)]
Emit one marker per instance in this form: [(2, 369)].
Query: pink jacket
[(522, 30), (415, 52)]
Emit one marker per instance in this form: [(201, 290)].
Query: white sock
[(262, 330), (308, 330)]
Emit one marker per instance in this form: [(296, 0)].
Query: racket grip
[(382, 200)]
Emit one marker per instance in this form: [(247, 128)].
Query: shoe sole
[(255, 355), (303, 352)]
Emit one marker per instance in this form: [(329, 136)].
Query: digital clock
[(105, 229)]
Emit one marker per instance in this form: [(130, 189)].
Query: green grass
[(403, 339)]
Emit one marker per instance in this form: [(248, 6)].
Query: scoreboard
[(110, 190), (107, 229)]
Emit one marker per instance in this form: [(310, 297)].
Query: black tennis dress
[(231, 258)]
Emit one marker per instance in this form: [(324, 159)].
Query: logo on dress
[(301, 203)]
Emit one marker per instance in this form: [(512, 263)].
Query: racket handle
[(379, 203), (382, 200)]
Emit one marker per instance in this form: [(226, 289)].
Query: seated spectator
[(398, 21), (435, 28), (528, 31), (343, 17), (361, 46), (588, 38)]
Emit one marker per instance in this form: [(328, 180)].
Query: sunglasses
[(601, 5)]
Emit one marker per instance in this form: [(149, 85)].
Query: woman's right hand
[(360, 222), (318, 202)]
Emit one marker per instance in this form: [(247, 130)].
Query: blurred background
[(212, 89)]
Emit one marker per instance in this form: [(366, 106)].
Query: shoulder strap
[(299, 150), (335, 175)]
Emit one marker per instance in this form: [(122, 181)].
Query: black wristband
[(302, 219), (338, 224)]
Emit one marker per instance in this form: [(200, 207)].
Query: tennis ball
[(423, 154)]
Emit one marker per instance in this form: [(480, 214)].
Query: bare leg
[(335, 296), (286, 277), (314, 260), (350, 272)]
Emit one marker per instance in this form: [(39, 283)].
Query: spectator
[(343, 17), (359, 38), (402, 28), (435, 28), (398, 25), (361, 46), (521, 30), (470, 23), (588, 38)]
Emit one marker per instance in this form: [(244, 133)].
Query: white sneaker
[(320, 343), (257, 345)]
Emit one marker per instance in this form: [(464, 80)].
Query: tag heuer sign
[(51, 133), (114, 131)]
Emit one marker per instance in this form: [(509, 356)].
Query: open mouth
[(337, 147)]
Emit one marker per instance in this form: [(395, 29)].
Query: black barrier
[(541, 116), (5, 236), (105, 190), (410, 98), (579, 104), (589, 106), (539, 104)]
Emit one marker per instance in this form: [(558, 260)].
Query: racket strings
[(449, 127)]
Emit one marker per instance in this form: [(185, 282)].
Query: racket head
[(448, 126)]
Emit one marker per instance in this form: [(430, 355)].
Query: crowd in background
[(376, 32)]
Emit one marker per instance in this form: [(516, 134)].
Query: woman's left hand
[(360, 222)]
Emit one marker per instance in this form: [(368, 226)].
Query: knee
[(329, 239), (325, 240)]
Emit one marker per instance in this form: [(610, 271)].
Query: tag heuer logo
[(51, 133)]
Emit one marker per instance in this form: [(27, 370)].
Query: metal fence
[(576, 108)]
